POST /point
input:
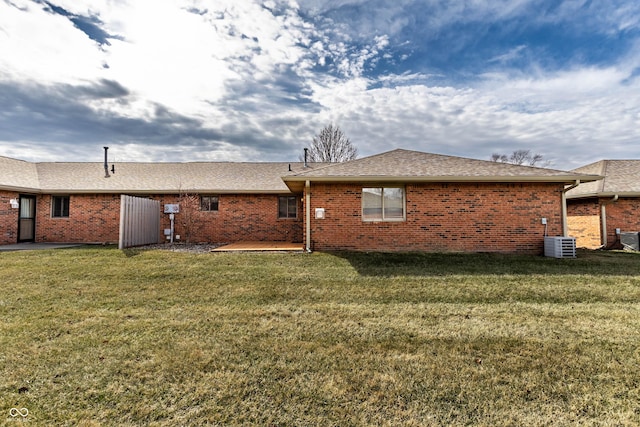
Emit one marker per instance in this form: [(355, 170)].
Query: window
[(383, 204), (287, 207), (60, 206), (209, 203)]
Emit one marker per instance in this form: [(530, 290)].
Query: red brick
[(461, 217), (95, 218), (622, 214)]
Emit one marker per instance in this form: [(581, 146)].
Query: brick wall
[(93, 218), (96, 219), (623, 214), (239, 217), (583, 207), (8, 219), (584, 219), (442, 217)]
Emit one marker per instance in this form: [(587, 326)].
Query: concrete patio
[(260, 246)]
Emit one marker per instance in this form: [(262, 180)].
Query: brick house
[(396, 201), (76, 202), (597, 209), (412, 201)]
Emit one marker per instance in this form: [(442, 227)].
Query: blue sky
[(244, 80)]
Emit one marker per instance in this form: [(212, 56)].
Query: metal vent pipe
[(106, 165)]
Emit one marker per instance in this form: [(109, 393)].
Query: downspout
[(307, 213), (603, 216), (565, 226)]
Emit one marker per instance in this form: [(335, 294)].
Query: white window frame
[(383, 218)]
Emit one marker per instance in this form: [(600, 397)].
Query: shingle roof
[(414, 166), (18, 175), (621, 177), (214, 177), (259, 177)]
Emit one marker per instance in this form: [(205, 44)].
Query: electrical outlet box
[(544, 221), (617, 231)]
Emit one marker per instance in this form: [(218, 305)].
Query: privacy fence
[(139, 221)]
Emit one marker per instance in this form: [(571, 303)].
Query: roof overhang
[(296, 183), (20, 189), (152, 192), (607, 194)]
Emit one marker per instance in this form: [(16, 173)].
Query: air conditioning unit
[(630, 241), (560, 247)]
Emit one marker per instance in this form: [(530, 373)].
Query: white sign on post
[(172, 208)]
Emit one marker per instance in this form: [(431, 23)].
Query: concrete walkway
[(36, 246)]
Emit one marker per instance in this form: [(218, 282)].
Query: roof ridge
[(14, 159), (334, 164), (603, 172)]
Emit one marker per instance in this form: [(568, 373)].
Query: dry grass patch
[(106, 337)]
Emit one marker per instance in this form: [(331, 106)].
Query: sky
[(256, 80)]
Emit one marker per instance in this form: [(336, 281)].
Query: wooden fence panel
[(139, 221)]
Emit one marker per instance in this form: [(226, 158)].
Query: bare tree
[(188, 217), (331, 145), (520, 157)]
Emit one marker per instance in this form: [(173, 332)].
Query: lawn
[(99, 336)]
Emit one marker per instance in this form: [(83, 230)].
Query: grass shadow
[(597, 263), (129, 252)]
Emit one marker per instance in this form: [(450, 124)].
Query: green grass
[(98, 336)]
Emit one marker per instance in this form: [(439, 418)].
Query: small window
[(60, 206), (209, 203), (287, 207), (383, 204)]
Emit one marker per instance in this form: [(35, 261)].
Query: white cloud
[(511, 55), (564, 116), (44, 47), (245, 80)]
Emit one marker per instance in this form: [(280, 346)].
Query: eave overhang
[(296, 183), (607, 194), (18, 189), (152, 192), (137, 191)]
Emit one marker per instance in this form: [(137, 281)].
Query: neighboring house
[(395, 201), (597, 209), (412, 201), (220, 202)]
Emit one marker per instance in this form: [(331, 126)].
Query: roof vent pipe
[(106, 165), (306, 154)]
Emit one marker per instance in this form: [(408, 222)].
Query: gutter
[(604, 194), (18, 189), (603, 216), (134, 192), (296, 182), (567, 179), (565, 226)]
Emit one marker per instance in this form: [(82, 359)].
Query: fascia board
[(20, 189), (152, 192), (608, 194), (569, 179)]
